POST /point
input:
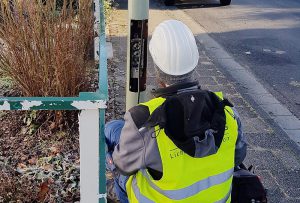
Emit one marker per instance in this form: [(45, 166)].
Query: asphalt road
[(261, 35)]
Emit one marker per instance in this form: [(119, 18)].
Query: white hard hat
[(173, 48)]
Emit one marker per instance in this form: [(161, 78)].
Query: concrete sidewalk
[(273, 154)]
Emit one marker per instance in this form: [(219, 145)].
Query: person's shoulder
[(139, 109), (139, 114)]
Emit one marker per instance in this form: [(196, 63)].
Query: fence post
[(89, 155)]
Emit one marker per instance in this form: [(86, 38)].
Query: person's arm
[(241, 143), (128, 155)]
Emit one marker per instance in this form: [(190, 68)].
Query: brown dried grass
[(45, 50)]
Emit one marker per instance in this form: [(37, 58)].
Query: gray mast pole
[(138, 12)]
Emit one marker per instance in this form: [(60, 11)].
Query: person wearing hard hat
[(183, 145)]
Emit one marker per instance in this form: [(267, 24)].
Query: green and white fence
[(91, 118)]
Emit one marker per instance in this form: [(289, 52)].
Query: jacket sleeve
[(241, 143), (128, 155)]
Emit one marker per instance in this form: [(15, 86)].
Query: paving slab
[(276, 110), (288, 122), (263, 159), (265, 99), (294, 135), (273, 189), (289, 184)]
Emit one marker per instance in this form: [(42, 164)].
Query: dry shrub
[(45, 47)]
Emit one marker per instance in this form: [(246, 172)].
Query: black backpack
[(247, 187)]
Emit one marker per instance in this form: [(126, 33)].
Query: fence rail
[(91, 119)]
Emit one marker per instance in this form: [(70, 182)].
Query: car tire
[(225, 2), (169, 2)]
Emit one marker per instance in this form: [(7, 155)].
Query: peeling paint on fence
[(27, 105), (4, 105), (103, 195), (89, 105), (63, 103)]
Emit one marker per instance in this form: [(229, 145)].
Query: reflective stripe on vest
[(141, 198), (192, 189), (138, 194)]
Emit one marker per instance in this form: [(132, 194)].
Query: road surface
[(261, 35)]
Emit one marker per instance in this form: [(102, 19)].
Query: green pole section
[(103, 88), (102, 177)]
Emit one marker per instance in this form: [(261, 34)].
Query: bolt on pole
[(137, 46)]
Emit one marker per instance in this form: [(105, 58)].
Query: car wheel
[(225, 2), (169, 2)]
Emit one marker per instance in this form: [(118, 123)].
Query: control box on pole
[(137, 46), (138, 55)]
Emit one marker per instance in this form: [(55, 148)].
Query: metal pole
[(137, 44)]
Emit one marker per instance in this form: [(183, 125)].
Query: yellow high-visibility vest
[(187, 179)]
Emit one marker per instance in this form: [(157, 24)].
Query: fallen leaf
[(23, 158), (44, 189), (54, 150), (50, 181), (32, 161), (21, 165), (48, 167), (52, 126), (61, 134), (21, 168)]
